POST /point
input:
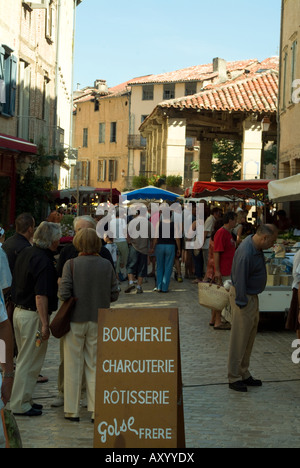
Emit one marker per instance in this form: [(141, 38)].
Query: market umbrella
[(150, 193), (285, 190)]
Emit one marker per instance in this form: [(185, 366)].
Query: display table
[(275, 299)]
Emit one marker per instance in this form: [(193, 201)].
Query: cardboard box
[(286, 280), (273, 280)]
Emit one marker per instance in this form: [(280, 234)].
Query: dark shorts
[(137, 263)]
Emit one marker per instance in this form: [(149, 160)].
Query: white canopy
[(285, 190)]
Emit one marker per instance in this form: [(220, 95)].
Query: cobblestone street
[(214, 415)]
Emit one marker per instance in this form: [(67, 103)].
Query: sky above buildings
[(119, 40)]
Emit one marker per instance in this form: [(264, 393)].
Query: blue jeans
[(165, 255)]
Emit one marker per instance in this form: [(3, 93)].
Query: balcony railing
[(38, 131), (136, 142)]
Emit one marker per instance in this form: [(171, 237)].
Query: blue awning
[(150, 193)]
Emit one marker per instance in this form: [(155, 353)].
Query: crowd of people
[(34, 281)]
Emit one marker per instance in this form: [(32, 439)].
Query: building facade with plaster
[(289, 91), (36, 74)]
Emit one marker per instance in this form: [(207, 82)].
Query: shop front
[(11, 151)]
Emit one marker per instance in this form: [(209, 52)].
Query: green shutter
[(2, 54), (13, 85)]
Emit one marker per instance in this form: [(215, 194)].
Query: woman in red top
[(224, 250)]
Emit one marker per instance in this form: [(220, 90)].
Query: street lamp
[(265, 124)]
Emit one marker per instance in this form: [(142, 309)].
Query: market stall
[(252, 192), (87, 197), (232, 189), (278, 293)]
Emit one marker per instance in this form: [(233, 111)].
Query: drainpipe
[(279, 90), (129, 133), (54, 134), (72, 86)]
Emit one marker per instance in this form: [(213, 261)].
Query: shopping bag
[(10, 429), (213, 296)]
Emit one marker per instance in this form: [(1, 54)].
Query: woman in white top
[(118, 226), (293, 319)]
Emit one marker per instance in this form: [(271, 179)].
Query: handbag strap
[(72, 266)]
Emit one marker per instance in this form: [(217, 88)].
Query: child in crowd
[(111, 246)]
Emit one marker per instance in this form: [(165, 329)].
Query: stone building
[(237, 101), (36, 64), (289, 91)]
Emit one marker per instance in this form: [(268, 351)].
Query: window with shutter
[(85, 138), (113, 132), (8, 84), (2, 80), (112, 170), (102, 132), (101, 170)]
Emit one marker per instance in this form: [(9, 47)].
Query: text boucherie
[(138, 334)]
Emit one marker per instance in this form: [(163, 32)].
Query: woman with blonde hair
[(238, 230), (92, 280)]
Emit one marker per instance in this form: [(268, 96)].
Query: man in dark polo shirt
[(34, 291), (25, 225), (249, 278)]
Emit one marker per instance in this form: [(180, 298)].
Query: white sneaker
[(58, 402)]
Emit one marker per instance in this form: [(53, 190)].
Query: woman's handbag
[(61, 324), (213, 296)]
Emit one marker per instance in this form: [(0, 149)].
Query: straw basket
[(213, 296)]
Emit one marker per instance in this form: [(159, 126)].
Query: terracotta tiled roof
[(88, 94), (256, 92), (195, 73)]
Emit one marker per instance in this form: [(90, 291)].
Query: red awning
[(107, 190), (234, 188), (17, 144)]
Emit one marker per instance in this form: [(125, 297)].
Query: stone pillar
[(175, 147), (205, 160), (149, 149), (251, 149), (159, 150)]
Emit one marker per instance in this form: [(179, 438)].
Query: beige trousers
[(122, 256), (30, 359), (80, 358), (243, 333)]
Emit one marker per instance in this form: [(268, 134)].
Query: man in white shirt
[(6, 341)]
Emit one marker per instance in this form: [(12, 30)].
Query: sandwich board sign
[(138, 383)]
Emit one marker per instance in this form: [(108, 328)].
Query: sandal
[(42, 379), (223, 326)]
